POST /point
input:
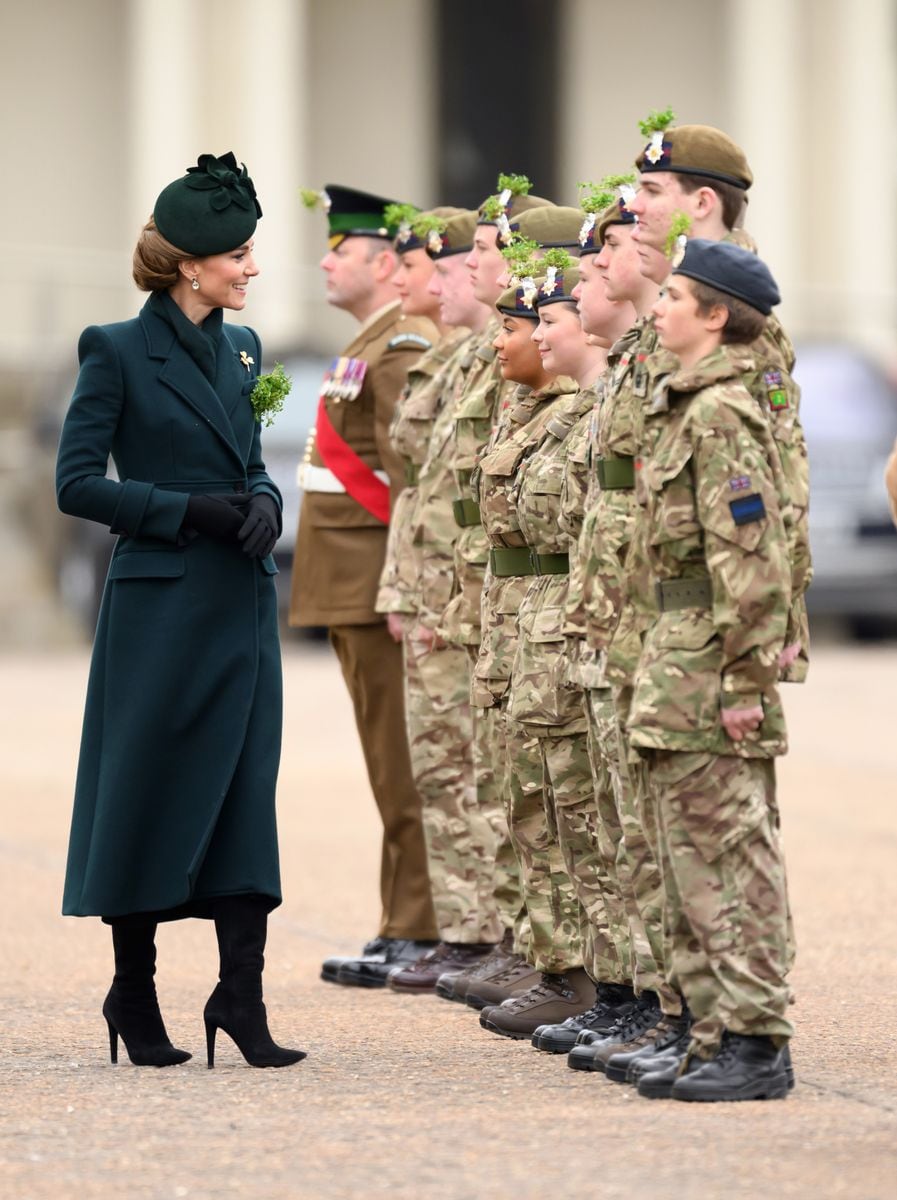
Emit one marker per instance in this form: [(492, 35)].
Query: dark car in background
[(849, 414)]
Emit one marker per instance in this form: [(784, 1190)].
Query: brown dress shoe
[(515, 979), (420, 977), (551, 1001), (455, 985)]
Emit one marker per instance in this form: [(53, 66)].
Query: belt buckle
[(534, 562), (658, 594)]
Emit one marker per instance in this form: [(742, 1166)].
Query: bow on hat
[(231, 183)]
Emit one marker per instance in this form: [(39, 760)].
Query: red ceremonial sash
[(356, 476)]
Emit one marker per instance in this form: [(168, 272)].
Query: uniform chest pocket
[(546, 477), (668, 488), (504, 460), (478, 403)]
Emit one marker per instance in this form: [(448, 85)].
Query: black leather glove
[(217, 517), (261, 528)]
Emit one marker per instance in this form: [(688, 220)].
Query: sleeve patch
[(747, 509), (408, 339)]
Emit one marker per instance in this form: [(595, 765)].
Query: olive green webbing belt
[(615, 473), (466, 512), (412, 473), (507, 561)]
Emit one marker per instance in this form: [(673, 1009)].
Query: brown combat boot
[(419, 978), (513, 981), (550, 1002), (454, 985)]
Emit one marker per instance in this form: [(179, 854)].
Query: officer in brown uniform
[(349, 475)]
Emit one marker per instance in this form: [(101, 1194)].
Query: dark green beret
[(557, 286), (414, 232), (519, 301), (551, 225), (732, 270), (696, 150), (211, 209), (455, 237)]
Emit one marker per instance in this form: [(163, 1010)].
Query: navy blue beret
[(732, 270)]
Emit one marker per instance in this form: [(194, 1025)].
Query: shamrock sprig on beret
[(509, 186), (400, 217), (677, 237), (653, 127), (520, 255)]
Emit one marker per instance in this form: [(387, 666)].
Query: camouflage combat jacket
[(611, 506), (716, 547), (434, 528), (410, 431), (585, 665), (495, 483), (773, 387), (479, 400), (540, 693)]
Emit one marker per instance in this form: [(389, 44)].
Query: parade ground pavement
[(408, 1097)]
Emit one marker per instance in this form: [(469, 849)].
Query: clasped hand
[(249, 518)]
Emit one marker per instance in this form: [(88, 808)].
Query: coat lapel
[(180, 373)]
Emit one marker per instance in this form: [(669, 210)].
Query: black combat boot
[(744, 1068)]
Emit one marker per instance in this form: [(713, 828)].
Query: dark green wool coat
[(174, 801)]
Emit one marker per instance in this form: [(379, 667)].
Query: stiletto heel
[(131, 1009), (236, 1006), (211, 1031)]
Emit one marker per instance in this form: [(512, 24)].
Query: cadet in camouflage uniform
[(699, 174), (541, 698), (610, 510), (557, 920), (482, 396), (705, 713), (437, 683)]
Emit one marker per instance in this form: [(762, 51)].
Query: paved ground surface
[(408, 1096)]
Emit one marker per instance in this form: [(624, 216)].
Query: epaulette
[(408, 339)]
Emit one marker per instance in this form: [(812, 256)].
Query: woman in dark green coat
[(174, 802)]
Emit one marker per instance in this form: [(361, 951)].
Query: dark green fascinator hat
[(211, 209)]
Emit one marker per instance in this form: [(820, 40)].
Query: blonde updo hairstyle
[(155, 262)]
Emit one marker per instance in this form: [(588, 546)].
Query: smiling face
[(410, 281), (560, 339), (223, 278), (486, 264), (518, 356)]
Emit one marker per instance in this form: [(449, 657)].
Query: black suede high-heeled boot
[(131, 1008), (236, 1005)]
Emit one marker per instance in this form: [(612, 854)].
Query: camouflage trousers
[(726, 903), (576, 824), (557, 921), (490, 768), (637, 910), (461, 841)]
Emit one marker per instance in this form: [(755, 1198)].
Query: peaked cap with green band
[(211, 209), (551, 225), (696, 150), (414, 233), (456, 236), (351, 213)]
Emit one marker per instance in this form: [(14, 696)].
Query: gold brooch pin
[(246, 360)]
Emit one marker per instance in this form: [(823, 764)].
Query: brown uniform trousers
[(340, 548)]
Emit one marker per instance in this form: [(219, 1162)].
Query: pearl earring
[(195, 284)]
